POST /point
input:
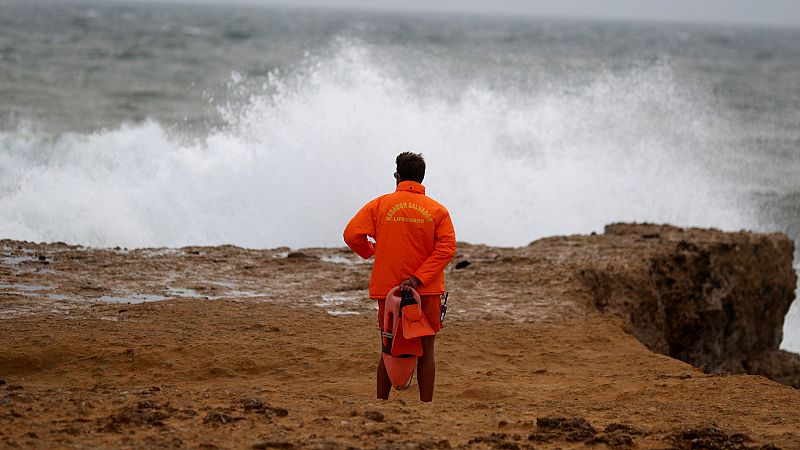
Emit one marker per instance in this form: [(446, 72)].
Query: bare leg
[(384, 383), (426, 369)]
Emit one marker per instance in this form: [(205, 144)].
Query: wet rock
[(263, 327), (580, 436), (219, 417), (145, 414), (390, 429), (564, 424), (617, 439), (185, 414), (496, 441), (70, 430), (710, 438), (13, 414), (617, 427), (575, 429), (251, 403), (426, 445), (278, 411), (90, 287), (377, 416), (258, 406), (101, 387), (462, 264), (272, 444)]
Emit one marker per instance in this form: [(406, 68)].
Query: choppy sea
[(166, 125)]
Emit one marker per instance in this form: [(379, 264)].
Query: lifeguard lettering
[(408, 219), (405, 205)]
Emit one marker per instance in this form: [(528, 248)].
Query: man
[(414, 241)]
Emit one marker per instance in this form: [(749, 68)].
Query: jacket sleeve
[(361, 226), (444, 249)]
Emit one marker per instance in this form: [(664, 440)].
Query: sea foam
[(300, 156)]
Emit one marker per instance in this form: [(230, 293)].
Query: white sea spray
[(296, 160)]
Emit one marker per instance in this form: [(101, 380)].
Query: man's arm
[(359, 227), (444, 248)]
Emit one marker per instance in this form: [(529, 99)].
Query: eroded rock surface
[(715, 300)]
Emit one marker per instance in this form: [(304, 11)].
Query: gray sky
[(760, 12)]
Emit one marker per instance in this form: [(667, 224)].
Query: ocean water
[(167, 125)]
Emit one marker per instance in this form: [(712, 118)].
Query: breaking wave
[(303, 152)]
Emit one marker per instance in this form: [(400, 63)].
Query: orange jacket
[(413, 236)]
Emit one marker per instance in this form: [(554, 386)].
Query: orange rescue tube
[(399, 353)]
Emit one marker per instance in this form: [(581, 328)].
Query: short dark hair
[(411, 166)]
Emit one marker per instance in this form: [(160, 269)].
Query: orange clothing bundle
[(413, 236)]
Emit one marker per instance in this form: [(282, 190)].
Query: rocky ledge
[(715, 300)]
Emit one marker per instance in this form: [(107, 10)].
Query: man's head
[(410, 167)]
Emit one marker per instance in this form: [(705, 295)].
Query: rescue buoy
[(402, 327)]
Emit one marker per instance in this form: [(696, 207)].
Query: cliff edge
[(713, 299)]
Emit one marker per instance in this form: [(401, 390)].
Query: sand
[(223, 347)]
